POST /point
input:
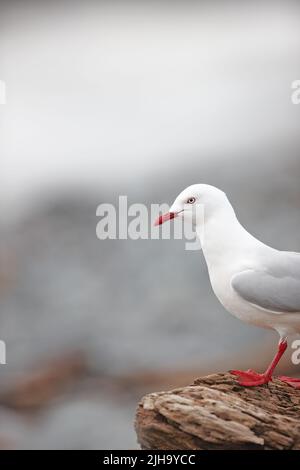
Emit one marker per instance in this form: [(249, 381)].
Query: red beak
[(163, 218)]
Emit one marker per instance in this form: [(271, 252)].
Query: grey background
[(141, 99)]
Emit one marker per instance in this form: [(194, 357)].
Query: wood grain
[(216, 413)]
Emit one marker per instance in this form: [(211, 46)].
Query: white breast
[(228, 252)]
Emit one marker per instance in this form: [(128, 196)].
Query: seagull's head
[(195, 204)]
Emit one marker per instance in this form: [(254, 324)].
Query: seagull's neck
[(222, 236)]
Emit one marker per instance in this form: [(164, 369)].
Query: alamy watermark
[(137, 221), (2, 92), (2, 352), (296, 354), (295, 96)]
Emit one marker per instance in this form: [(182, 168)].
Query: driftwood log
[(216, 413)]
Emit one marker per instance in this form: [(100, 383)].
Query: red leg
[(250, 378)]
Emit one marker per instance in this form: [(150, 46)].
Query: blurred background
[(140, 99)]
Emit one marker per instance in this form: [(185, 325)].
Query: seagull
[(254, 282)]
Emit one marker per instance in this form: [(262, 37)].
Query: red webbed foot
[(250, 378), (292, 381)]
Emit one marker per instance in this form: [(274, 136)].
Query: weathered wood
[(216, 413)]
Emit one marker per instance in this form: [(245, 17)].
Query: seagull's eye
[(191, 200)]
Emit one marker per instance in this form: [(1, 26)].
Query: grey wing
[(276, 287)]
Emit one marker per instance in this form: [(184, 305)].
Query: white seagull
[(254, 282)]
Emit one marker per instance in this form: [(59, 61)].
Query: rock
[(217, 413), (41, 386)]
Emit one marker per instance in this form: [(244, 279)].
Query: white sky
[(97, 94)]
